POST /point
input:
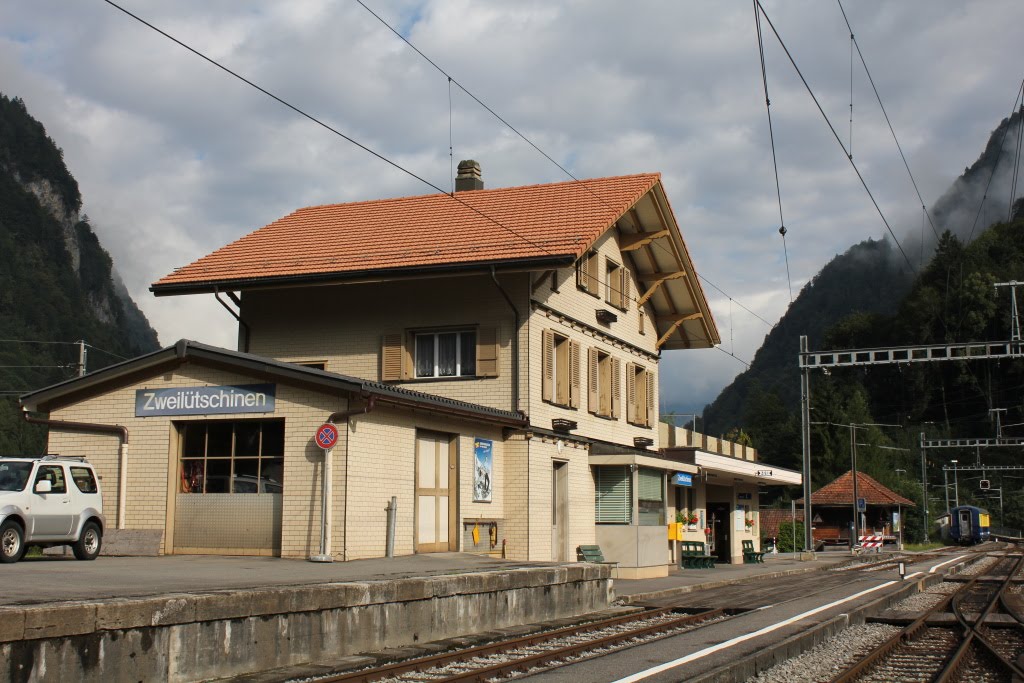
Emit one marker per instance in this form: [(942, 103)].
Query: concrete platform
[(190, 618), (679, 581)]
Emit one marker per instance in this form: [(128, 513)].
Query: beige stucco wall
[(575, 303), (382, 462), (153, 452), (343, 325)]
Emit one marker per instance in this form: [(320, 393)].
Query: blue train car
[(968, 525)]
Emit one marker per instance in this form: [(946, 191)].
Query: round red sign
[(326, 436)]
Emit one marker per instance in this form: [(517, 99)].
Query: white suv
[(62, 506)]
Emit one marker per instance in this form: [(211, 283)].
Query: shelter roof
[(840, 492), (186, 351)]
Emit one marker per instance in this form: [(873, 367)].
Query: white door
[(435, 481)]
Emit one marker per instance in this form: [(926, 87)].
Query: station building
[(489, 360)]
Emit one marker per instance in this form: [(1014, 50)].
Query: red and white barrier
[(870, 541)]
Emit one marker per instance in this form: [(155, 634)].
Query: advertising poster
[(483, 470)]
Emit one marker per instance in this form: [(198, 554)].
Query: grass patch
[(915, 547)]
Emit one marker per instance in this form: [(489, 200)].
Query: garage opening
[(229, 487)]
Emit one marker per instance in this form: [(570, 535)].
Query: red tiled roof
[(482, 226), (770, 518), (840, 492)]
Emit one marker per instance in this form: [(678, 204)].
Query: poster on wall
[(483, 470)]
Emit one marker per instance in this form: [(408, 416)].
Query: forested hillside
[(867, 298), (57, 283)]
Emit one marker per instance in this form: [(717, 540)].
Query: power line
[(1018, 97), (515, 130), (734, 301), (834, 133), (771, 136), (326, 126), (871, 80)]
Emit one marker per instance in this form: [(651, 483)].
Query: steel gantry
[(894, 355)]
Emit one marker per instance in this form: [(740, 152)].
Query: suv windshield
[(14, 475)]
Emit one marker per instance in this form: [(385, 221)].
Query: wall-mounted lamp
[(643, 441)]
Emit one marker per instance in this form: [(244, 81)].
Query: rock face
[(57, 282)]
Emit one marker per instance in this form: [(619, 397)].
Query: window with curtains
[(651, 496), (613, 502), (446, 354)]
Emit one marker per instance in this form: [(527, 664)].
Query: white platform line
[(640, 675), (943, 564)]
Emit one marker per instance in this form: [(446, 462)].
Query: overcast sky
[(175, 158)]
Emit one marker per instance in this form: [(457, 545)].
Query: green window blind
[(649, 483), (614, 497)]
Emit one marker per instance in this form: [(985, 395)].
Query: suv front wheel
[(87, 547), (12, 542)]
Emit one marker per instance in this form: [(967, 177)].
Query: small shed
[(832, 507)]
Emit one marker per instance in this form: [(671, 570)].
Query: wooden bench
[(751, 556), (693, 556), (593, 554)]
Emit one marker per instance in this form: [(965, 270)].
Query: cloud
[(175, 158)]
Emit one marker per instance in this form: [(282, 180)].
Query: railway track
[(555, 648), (972, 646), (541, 650)]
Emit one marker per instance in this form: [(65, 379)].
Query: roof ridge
[(383, 200)]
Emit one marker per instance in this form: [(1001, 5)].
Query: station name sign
[(244, 398), (682, 479)]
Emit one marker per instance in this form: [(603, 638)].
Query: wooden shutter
[(627, 280), (574, 374), (583, 272), (616, 386), (487, 352), (649, 375), (614, 284), (392, 357), (630, 392), (592, 383), (641, 315), (547, 382), (593, 271)]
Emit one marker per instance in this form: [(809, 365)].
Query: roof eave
[(234, 284)]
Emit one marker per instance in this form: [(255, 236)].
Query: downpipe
[(327, 491)]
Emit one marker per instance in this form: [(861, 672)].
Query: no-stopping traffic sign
[(326, 436)]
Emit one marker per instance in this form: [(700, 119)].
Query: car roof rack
[(48, 456)]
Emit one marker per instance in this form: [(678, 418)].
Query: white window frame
[(437, 346)]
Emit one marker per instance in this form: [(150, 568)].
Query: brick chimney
[(469, 176)]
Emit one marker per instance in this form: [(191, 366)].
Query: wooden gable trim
[(658, 279), (640, 239), (676, 322)]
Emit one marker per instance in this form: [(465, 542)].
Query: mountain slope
[(869, 278), (57, 283)]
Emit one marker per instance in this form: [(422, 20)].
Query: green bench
[(693, 556), (593, 554), (751, 556)]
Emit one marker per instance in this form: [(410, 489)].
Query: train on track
[(969, 525)]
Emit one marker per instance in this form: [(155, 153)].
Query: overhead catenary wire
[(878, 96), (527, 140), (835, 134), (1019, 97), (771, 136), (326, 126)]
